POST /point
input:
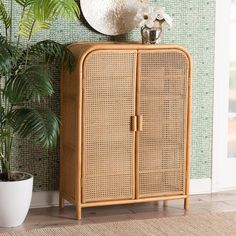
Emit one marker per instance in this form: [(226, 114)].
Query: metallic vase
[(151, 35)]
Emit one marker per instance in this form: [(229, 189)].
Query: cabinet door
[(162, 101), (109, 85)]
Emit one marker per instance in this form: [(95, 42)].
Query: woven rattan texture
[(163, 103), (194, 22), (108, 144)]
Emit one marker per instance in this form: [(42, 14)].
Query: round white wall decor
[(111, 17)]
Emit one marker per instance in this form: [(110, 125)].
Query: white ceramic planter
[(15, 198)]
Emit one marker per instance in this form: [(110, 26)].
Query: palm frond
[(39, 126), (2, 116), (47, 10), (32, 83), (2, 39), (25, 3), (8, 56), (29, 25), (4, 17), (49, 51), (4, 134)]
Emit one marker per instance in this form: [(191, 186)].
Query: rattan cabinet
[(125, 133)]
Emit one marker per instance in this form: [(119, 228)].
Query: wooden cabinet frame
[(71, 151)]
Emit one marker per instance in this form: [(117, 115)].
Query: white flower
[(168, 20), (146, 16), (160, 11), (161, 15)]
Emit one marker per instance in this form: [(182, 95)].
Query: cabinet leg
[(61, 201), (78, 212), (165, 203), (186, 203)]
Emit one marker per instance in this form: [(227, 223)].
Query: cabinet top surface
[(83, 50), (88, 47)]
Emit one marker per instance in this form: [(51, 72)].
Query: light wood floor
[(46, 217)]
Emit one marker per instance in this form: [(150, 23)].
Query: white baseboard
[(200, 186), (223, 189), (44, 199), (49, 199)]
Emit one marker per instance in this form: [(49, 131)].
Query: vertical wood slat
[(137, 134), (188, 134)]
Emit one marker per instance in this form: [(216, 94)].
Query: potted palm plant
[(25, 79)]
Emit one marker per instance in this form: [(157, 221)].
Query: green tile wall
[(194, 29)]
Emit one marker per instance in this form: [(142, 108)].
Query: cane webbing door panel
[(163, 82), (109, 84)]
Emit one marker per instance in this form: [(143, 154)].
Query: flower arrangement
[(149, 16), (150, 20)]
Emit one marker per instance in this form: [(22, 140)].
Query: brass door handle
[(140, 123), (134, 123), (137, 123)]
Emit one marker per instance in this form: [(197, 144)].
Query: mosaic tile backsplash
[(194, 29)]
